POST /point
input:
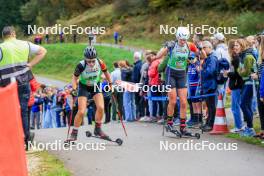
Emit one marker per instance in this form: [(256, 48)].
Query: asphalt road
[(141, 154)]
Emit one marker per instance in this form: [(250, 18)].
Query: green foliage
[(250, 23), (130, 7), (47, 12), (244, 4), (206, 4), (9, 13)]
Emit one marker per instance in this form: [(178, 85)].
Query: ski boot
[(169, 128), (73, 137), (99, 132)]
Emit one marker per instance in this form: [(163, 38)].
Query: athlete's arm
[(74, 82), (77, 72), (38, 51), (163, 52), (105, 71)]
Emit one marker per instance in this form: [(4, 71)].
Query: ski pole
[(70, 122), (119, 114), (115, 101)]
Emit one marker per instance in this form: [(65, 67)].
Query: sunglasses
[(90, 61)]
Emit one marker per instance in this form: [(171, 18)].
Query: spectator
[(35, 111), (74, 37), (252, 44), (197, 40), (47, 38), (254, 52), (193, 89), (221, 49), (144, 79), (136, 75), (68, 104), (154, 83), (221, 52), (60, 100), (61, 37), (116, 37), (260, 91), (261, 134), (49, 120), (128, 97), (235, 85), (116, 75), (247, 62), (14, 56), (209, 84)]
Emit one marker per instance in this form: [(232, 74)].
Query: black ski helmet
[(90, 52)]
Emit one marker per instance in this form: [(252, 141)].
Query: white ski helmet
[(183, 33)]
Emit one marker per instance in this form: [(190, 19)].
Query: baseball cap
[(219, 36)]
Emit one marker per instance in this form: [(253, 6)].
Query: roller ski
[(182, 132), (72, 139), (185, 133), (99, 134), (170, 128)]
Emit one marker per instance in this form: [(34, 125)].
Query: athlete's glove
[(169, 44), (74, 93)]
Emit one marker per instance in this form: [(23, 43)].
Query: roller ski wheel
[(187, 134), (118, 141), (197, 135), (69, 142), (170, 128), (88, 134)]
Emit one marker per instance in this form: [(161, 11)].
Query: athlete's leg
[(182, 93), (172, 95), (99, 103), (82, 104)]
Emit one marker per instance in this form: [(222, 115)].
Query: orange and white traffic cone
[(220, 123)]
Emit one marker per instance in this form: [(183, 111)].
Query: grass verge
[(61, 59), (48, 165), (249, 140)]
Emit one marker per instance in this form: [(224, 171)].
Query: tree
[(9, 13)]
